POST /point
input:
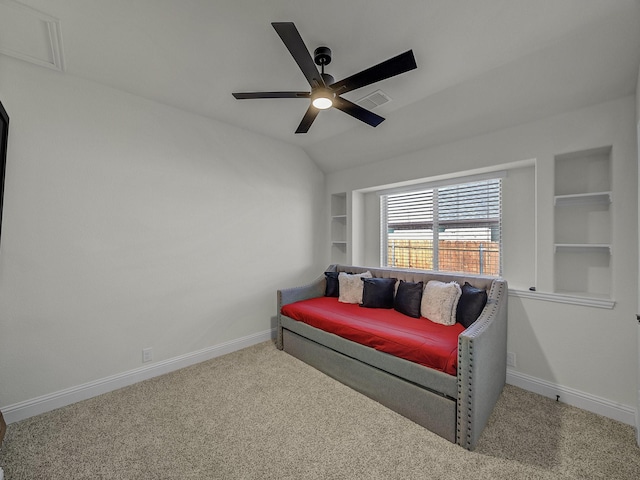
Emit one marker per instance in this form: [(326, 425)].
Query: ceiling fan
[(325, 91)]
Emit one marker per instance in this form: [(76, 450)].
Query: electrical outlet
[(511, 359), (147, 355)]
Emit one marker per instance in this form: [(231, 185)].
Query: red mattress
[(415, 339)]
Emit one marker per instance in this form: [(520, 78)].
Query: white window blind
[(456, 228)]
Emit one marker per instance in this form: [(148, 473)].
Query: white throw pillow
[(440, 301), (351, 286)]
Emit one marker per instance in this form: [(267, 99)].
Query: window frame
[(435, 186)]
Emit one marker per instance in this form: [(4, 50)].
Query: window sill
[(585, 301)]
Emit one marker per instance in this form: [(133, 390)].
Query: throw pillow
[(440, 302), (408, 298), (351, 286), (471, 304), (332, 289), (378, 292)]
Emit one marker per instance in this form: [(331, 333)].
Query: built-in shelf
[(339, 204), (582, 225), (339, 228)]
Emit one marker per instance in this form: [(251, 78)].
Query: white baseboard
[(576, 398), (29, 408), (35, 406), (638, 420)]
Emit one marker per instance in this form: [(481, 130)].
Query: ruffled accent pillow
[(440, 302), (351, 286)]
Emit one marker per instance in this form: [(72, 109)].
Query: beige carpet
[(261, 414)]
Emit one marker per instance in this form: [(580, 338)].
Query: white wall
[(583, 351), (130, 224)]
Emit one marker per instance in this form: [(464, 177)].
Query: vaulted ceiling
[(483, 65)]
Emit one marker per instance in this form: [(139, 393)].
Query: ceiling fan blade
[(389, 68), (242, 96), (308, 119), (356, 111), (293, 41)]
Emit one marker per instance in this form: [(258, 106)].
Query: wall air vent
[(374, 100)]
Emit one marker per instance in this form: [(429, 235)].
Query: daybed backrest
[(478, 281)]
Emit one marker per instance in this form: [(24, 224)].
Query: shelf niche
[(582, 223), (339, 228)]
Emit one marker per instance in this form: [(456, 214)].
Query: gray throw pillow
[(378, 292), (333, 287), (408, 298), (470, 305)]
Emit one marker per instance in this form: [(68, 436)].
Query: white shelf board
[(583, 198), (584, 247), (584, 299)]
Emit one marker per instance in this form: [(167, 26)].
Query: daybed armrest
[(482, 366), (296, 294)]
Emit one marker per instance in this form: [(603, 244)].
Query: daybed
[(453, 399)]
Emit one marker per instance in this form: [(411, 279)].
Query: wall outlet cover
[(147, 355)]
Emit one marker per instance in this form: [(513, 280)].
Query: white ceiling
[(483, 65)]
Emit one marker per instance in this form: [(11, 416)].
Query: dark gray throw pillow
[(408, 298), (333, 287), (470, 305), (378, 292)]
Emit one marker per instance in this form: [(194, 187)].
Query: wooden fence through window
[(479, 257)]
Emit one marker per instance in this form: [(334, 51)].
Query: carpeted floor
[(261, 414)]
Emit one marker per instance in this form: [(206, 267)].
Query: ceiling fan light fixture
[(325, 91), (322, 99)]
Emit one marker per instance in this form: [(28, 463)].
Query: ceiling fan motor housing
[(328, 79), (322, 56)]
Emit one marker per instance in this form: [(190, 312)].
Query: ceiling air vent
[(374, 100)]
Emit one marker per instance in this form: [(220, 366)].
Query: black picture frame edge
[(4, 140)]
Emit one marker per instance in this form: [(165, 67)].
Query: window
[(455, 228)]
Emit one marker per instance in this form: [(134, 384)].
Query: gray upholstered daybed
[(455, 407)]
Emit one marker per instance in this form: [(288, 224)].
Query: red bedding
[(415, 339)]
